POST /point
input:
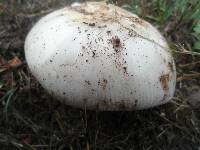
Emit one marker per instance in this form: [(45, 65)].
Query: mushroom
[(98, 56)]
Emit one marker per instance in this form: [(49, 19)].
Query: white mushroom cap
[(96, 55)]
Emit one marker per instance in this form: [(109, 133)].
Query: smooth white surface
[(100, 56)]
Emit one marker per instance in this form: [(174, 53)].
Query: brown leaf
[(14, 63)]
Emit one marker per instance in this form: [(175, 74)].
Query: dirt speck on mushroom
[(103, 83), (164, 79)]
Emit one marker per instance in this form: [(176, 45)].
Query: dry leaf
[(14, 63)]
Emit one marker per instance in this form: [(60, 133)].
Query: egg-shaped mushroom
[(98, 56)]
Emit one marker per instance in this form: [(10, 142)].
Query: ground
[(32, 119)]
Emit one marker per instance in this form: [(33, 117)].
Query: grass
[(32, 120), (172, 17)]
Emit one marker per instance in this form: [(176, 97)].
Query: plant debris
[(32, 120), (12, 64)]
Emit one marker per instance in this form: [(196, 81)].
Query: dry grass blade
[(188, 76), (182, 50), (191, 65), (59, 121), (35, 128), (16, 143)]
